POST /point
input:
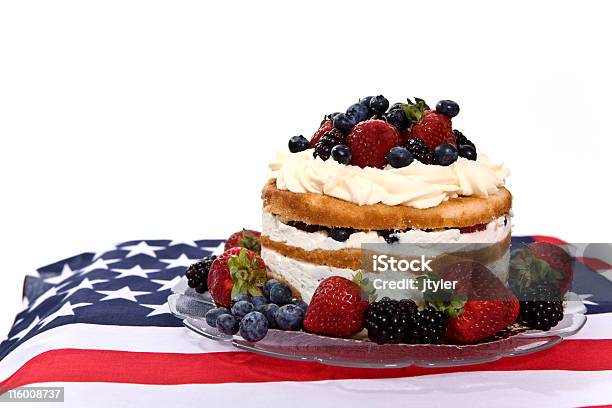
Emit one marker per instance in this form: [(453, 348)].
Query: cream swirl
[(417, 185)]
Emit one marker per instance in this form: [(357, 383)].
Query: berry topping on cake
[(434, 129), (197, 274), (237, 270), (399, 157), (337, 307), (541, 307), (327, 142), (448, 108), (370, 141), (342, 154), (467, 152), (420, 151), (325, 127), (461, 140), (397, 118), (359, 112), (379, 104), (249, 239), (445, 154), (298, 144), (344, 123)]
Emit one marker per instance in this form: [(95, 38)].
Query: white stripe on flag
[(473, 389)]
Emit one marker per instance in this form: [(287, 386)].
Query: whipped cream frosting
[(274, 228), (417, 185)]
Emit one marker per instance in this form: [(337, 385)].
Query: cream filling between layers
[(274, 228), (305, 277), (417, 185)]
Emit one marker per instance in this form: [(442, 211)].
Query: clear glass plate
[(514, 341)]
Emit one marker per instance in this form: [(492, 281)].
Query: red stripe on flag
[(545, 238), (594, 263), (77, 365)]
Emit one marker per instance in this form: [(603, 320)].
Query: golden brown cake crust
[(350, 258), (319, 209)]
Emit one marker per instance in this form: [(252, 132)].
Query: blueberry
[(446, 154), (280, 294), (298, 144), (399, 157), (241, 296), (467, 151), (379, 104), (268, 310), (344, 123), (289, 317), (212, 315), (396, 105), (301, 304), (342, 154), (242, 308), (258, 301), (366, 101), (398, 119), (267, 286), (254, 326), (448, 108), (333, 115), (358, 111), (340, 234), (227, 324)]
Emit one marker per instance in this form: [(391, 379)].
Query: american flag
[(99, 325)]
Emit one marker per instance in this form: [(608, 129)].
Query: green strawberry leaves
[(366, 285), (247, 274), (414, 111), (532, 270), (249, 241)]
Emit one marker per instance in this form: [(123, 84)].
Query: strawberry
[(337, 306), (434, 129), (248, 239), (237, 270), (541, 262), (370, 141), (482, 305), (325, 127)]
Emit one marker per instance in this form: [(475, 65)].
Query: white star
[(123, 293), (66, 273), (587, 302), (98, 264), (48, 294), (25, 331), (67, 309), (135, 270), (167, 284), (142, 248), (182, 260), (217, 250), (606, 273), (85, 284), (158, 309), (183, 242)]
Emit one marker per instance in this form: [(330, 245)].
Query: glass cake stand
[(191, 307)]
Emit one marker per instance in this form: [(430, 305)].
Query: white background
[(124, 119)]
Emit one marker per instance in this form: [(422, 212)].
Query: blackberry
[(389, 236), (427, 327), (197, 274), (326, 143), (420, 151), (541, 307), (388, 321), (462, 140)]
